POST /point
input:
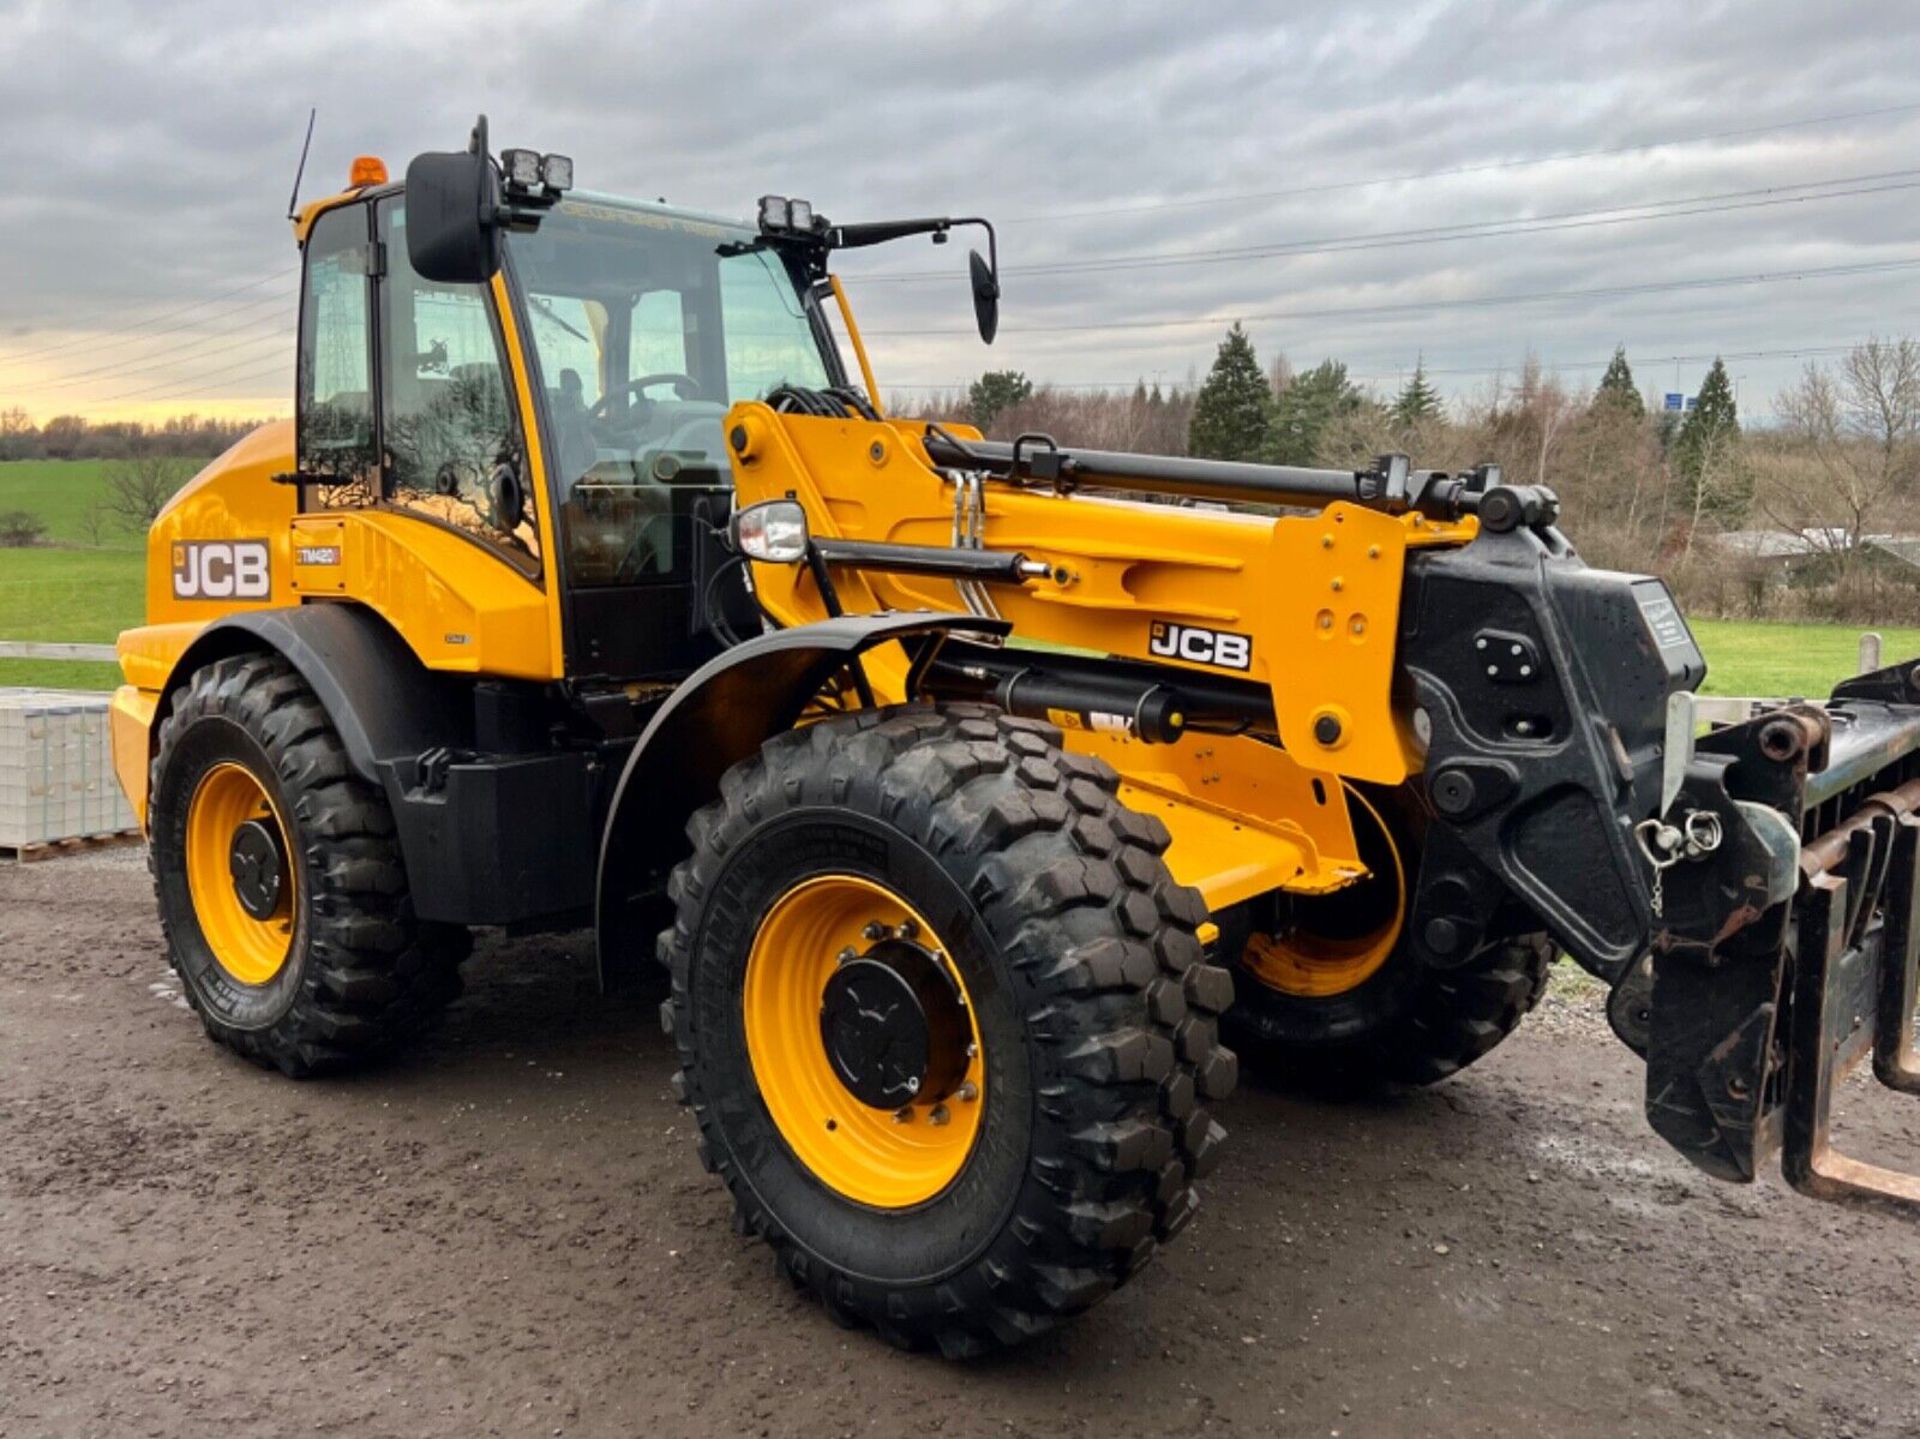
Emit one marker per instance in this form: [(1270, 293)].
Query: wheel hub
[(894, 1027), (258, 867)]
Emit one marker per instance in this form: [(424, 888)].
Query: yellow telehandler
[(968, 791)]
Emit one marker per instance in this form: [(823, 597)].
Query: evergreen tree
[(1418, 399), (995, 391), (1706, 451), (1617, 388), (1305, 410), (1233, 411)]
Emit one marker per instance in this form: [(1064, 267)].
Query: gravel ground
[(506, 1232)]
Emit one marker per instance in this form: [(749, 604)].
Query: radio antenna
[(293, 203)]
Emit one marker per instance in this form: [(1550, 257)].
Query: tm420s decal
[(1200, 646)]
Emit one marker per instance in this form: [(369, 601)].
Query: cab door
[(416, 497)]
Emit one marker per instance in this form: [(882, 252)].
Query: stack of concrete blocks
[(56, 772)]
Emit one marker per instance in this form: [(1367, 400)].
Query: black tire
[(1408, 1023), (1096, 1012), (361, 974)]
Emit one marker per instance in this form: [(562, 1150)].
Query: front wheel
[(944, 1021)]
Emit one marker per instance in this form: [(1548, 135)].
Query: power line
[(172, 359), (1470, 303), (154, 319), (230, 374), (1335, 185), (1438, 234), (162, 359), (1371, 371), (159, 346)]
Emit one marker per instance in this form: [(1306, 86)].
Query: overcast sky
[(145, 265)]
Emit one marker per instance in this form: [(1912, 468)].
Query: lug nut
[(903, 1115), (906, 929), (939, 1115), (848, 955), (874, 930), (968, 1092)]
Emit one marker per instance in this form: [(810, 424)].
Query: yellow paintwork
[(251, 950), (130, 724), (884, 1158), (459, 604), (1318, 596), (1319, 966), (859, 345), (1239, 811)]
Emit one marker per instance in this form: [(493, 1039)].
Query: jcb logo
[(221, 570), (1204, 647)]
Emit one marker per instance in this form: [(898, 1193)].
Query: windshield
[(645, 327)]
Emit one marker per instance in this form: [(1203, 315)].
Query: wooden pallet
[(60, 848)]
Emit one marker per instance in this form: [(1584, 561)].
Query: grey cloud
[(153, 147)]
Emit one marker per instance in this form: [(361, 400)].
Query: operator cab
[(548, 374), (635, 327)]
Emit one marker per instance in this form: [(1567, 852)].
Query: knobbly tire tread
[(1034, 835), (372, 975), (1447, 1020)]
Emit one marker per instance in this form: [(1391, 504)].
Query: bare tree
[(93, 523), (138, 488), (1860, 428), (1718, 480)]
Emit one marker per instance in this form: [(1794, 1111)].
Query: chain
[(1665, 845)]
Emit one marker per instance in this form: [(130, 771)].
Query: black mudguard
[(719, 716), (384, 702)]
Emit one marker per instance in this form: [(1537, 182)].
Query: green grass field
[(70, 591), (1745, 657), (59, 492)]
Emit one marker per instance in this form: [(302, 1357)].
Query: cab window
[(644, 327), (335, 439), (449, 436)]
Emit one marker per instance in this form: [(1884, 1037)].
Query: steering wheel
[(685, 387)]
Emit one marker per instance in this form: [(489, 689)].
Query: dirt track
[(508, 1233)]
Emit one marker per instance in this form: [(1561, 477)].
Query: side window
[(335, 438), (447, 423)]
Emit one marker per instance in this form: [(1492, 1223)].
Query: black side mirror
[(453, 201), (986, 296)]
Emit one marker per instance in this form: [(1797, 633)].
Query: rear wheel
[(279, 880), (943, 1022), (1328, 990)]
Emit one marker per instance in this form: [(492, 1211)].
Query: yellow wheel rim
[(252, 949), (1313, 961), (886, 1158)]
